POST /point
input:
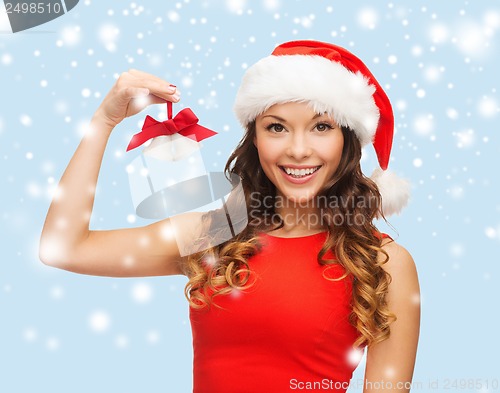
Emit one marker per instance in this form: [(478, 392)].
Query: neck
[(300, 216)]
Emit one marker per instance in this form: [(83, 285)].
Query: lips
[(298, 172)]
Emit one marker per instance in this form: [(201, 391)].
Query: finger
[(135, 92), (152, 99), (143, 74), (157, 87), (146, 76), (137, 104), (158, 90), (136, 99)]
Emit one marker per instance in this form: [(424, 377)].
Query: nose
[(298, 145)]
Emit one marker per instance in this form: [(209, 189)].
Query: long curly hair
[(352, 238)]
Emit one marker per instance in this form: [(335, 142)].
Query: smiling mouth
[(298, 173)]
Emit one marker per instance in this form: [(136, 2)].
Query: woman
[(289, 302)]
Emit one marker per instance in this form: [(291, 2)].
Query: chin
[(301, 197)]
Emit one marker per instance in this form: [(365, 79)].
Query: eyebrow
[(283, 120)]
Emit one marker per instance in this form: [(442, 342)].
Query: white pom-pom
[(394, 190)]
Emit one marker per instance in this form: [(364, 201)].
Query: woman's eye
[(276, 128), (323, 127)]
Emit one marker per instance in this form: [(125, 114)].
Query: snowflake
[(99, 321), (465, 138), (471, 39), (57, 293), (392, 59), (424, 124), (236, 6), (30, 334), (487, 107), (452, 113), (439, 33), (354, 356), (26, 120), (121, 341), (432, 73), (173, 16), (70, 35), (86, 93), (457, 250), (142, 293), (52, 344), (108, 35), (153, 337), (368, 18), (417, 162)]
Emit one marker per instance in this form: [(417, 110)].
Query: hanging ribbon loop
[(184, 123)]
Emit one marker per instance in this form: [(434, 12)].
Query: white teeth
[(300, 172)]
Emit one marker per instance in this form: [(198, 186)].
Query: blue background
[(439, 63)]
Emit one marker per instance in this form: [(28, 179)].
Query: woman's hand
[(133, 91), (67, 241)]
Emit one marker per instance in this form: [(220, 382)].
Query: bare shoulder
[(400, 264)]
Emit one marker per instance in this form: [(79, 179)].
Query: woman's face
[(299, 150)]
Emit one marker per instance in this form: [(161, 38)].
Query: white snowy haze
[(438, 61)]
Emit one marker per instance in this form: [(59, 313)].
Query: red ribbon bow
[(184, 123)]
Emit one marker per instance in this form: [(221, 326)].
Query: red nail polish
[(173, 85)]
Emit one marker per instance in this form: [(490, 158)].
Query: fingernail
[(176, 97), (171, 89)]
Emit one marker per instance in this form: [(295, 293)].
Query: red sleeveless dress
[(288, 331)]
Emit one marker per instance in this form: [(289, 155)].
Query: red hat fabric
[(332, 80)]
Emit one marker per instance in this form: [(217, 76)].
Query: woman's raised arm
[(66, 241)]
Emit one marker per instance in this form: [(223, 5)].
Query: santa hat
[(334, 81)]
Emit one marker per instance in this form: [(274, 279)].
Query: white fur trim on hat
[(394, 190), (325, 84)]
